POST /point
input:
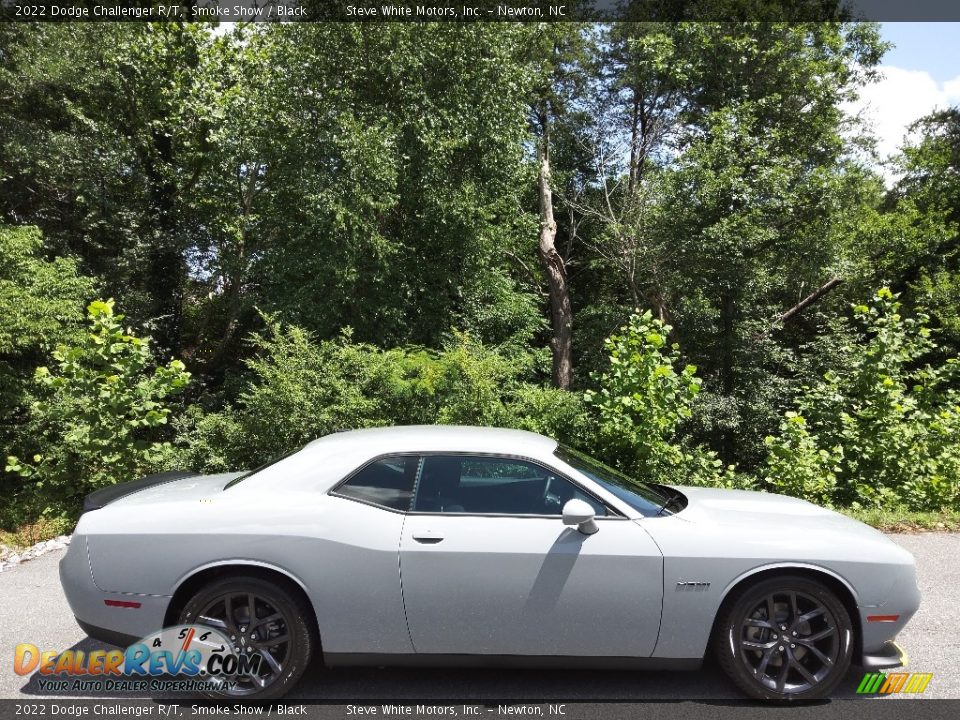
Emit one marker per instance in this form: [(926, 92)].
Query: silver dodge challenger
[(487, 547)]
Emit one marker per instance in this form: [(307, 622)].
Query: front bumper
[(890, 655)]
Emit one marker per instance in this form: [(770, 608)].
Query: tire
[(289, 641), (816, 654)]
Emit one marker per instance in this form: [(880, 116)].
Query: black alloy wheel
[(259, 619), (787, 638)]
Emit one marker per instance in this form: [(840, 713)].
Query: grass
[(29, 534), (902, 520)]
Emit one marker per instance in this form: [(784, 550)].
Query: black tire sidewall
[(292, 607), (727, 638)]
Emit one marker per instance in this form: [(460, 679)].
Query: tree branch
[(802, 305)]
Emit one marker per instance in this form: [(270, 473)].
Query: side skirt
[(509, 661)]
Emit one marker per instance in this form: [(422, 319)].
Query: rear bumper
[(890, 655), (111, 637), (88, 602)]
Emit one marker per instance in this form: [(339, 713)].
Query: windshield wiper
[(672, 495)]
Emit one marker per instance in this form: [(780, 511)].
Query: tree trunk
[(561, 312), (634, 143), (166, 274)]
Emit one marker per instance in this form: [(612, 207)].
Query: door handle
[(428, 539)]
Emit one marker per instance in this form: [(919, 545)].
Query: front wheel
[(263, 619), (786, 638)]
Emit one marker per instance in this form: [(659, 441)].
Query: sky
[(920, 74)]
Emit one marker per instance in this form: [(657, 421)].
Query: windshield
[(262, 467), (644, 497)]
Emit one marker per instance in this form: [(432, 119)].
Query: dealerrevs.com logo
[(184, 658), (882, 684)]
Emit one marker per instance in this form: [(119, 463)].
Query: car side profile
[(435, 545)]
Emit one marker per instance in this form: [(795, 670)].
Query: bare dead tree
[(561, 310)]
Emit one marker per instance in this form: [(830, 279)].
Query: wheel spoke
[(771, 610), (782, 677), (807, 617), (819, 655), (807, 675), (271, 661), (757, 645), (211, 622), (757, 622), (251, 610), (764, 662), (270, 642), (818, 636), (228, 613), (794, 611), (266, 620)]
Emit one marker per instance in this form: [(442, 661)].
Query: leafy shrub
[(96, 419), (883, 428), (41, 299), (798, 466), (29, 533), (42, 303), (300, 389), (642, 401)]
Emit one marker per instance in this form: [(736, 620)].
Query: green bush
[(883, 428), (643, 399), (42, 303), (96, 418), (299, 389)]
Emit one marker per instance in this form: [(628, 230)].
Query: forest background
[(670, 245)]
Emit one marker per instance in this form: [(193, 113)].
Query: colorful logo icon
[(881, 684), (191, 651)]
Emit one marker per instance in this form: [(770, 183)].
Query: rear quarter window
[(387, 483)]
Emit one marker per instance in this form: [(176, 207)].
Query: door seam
[(403, 527)]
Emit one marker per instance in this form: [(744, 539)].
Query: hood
[(755, 510)]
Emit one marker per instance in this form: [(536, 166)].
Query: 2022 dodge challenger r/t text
[(479, 546)]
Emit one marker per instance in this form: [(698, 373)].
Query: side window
[(490, 485), (387, 482)]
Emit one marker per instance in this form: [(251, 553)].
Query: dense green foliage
[(923, 251), (299, 388), (42, 305), (336, 225), (641, 403), (94, 417), (882, 427)]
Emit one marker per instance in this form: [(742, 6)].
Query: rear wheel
[(786, 638), (261, 619)]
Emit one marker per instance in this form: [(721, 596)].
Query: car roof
[(327, 460), (438, 438)]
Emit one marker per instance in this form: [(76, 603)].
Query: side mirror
[(580, 513)]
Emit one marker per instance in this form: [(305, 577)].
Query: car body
[(448, 545)]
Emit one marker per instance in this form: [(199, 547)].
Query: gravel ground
[(33, 609), (10, 558)]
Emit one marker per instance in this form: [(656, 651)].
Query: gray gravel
[(33, 609), (10, 558)]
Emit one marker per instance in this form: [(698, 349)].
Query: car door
[(487, 566)]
